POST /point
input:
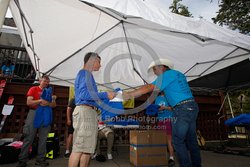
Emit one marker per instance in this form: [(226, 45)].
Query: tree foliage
[(240, 101), (178, 8), (235, 14)]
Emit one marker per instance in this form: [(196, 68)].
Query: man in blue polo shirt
[(84, 115), (185, 110)]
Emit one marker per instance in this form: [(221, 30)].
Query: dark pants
[(184, 135), (29, 133)]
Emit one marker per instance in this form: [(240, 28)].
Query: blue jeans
[(184, 134)]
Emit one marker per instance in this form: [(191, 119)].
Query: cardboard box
[(148, 148)]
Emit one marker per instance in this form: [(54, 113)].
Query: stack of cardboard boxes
[(148, 148)]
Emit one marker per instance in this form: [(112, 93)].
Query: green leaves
[(180, 9), (235, 14)]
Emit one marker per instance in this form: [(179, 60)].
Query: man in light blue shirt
[(84, 115), (185, 110)]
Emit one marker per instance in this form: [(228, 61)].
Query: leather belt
[(184, 102), (93, 107)]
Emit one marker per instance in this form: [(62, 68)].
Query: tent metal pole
[(145, 82), (222, 104), (176, 32), (211, 61), (215, 62), (92, 5), (24, 19), (22, 14), (3, 6), (230, 105), (218, 61), (129, 50), (231, 110), (205, 62), (191, 68), (126, 85), (247, 50)]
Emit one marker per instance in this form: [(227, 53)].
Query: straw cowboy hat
[(165, 62)]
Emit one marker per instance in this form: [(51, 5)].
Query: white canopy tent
[(58, 33)]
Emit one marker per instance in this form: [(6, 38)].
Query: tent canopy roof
[(127, 40)]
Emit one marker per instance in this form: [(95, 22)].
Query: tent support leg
[(230, 105), (222, 104), (231, 109)]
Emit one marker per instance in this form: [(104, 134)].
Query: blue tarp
[(243, 119), (43, 116)]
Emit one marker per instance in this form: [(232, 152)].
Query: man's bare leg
[(74, 159), (84, 161)]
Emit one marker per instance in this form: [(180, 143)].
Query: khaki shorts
[(85, 129)]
